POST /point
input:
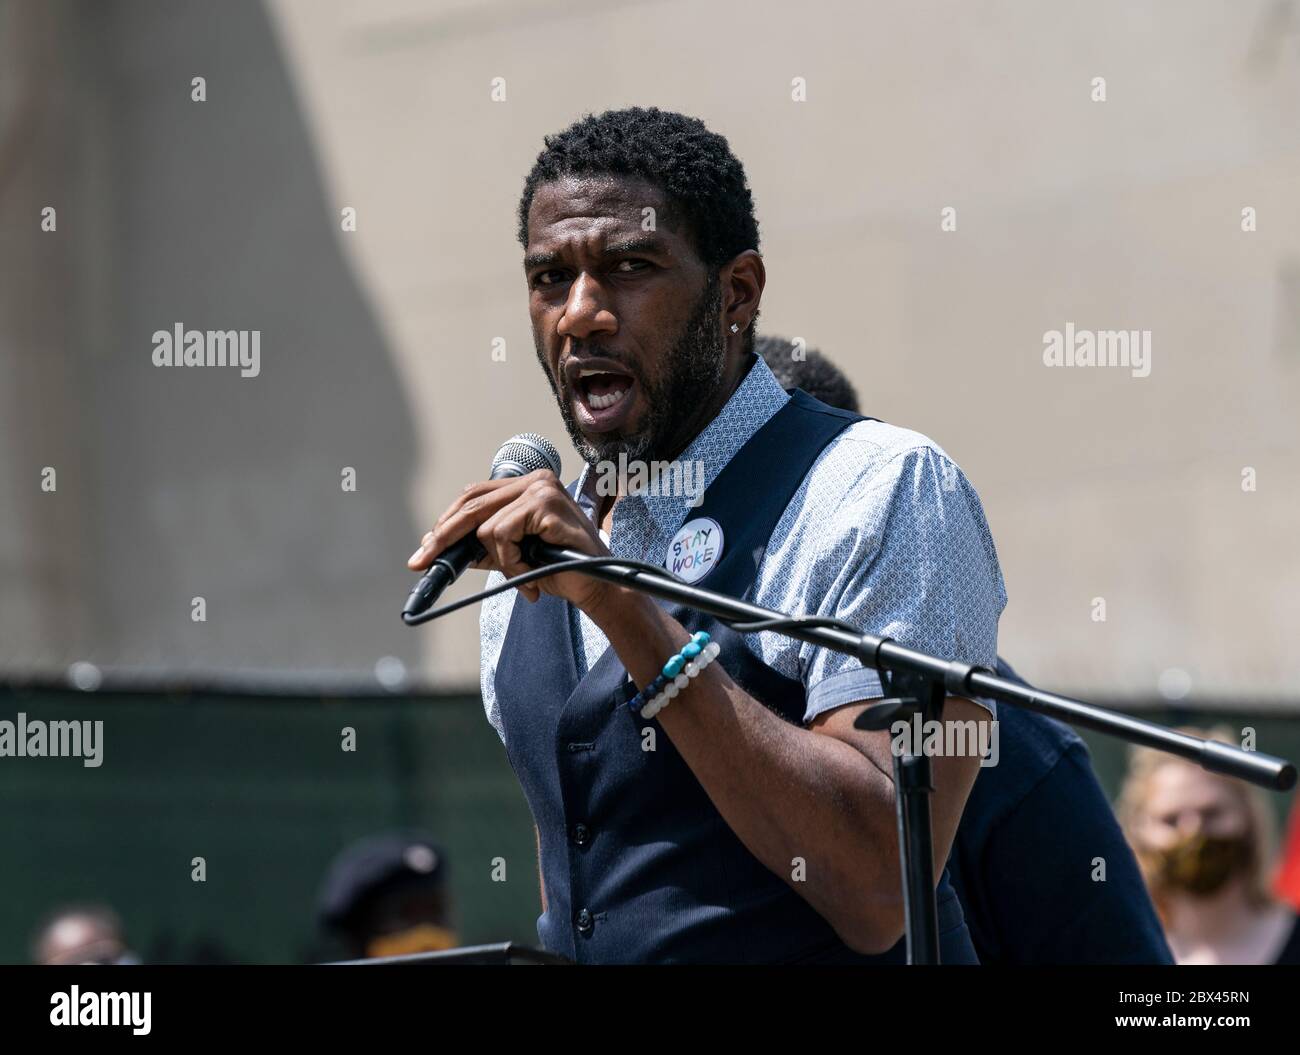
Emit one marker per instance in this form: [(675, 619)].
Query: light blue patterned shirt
[(885, 532)]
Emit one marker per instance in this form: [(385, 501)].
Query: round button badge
[(695, 549)]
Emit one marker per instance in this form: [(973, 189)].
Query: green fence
[(262, 790)]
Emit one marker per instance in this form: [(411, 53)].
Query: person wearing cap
[(387, 895)]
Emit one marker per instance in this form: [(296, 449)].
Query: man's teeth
[(607, 400), (616, 386)]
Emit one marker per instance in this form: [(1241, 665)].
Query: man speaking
[(702, 795)]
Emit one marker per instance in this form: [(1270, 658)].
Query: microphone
[(518, 456)]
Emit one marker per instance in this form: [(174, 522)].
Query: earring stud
[(735, 328)]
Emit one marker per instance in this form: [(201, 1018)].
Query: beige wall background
[(377, 348)]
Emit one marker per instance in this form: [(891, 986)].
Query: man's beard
[(694, 370)]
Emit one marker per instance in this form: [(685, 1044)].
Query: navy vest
[(637, 863)]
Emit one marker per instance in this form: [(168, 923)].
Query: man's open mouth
[(603, 399)]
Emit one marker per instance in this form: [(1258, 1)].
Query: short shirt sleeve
[(907, 555)]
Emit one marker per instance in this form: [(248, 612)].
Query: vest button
[(581, 834), (586, 923)]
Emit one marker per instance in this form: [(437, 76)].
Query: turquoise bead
[(691, 651), (674, 667)]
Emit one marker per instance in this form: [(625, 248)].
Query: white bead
[(651, 709), (714, 648), (691, 669), (672, 690), (681, 681)]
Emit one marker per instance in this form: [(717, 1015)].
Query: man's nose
[(586, 312)]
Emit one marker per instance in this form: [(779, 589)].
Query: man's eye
[(628, 267), (547, 278)]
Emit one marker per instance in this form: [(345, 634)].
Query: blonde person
[(1205, 843)]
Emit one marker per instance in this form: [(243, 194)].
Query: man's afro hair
[(693, 167)]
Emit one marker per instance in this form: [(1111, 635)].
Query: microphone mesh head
[(524, 454)]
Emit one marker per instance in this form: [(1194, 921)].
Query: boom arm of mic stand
[(882, 653)]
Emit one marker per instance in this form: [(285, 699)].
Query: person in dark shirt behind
[(1027, 860)]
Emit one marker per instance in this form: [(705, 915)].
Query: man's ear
[(743, 279)]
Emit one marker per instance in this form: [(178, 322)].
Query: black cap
[(372, 864)]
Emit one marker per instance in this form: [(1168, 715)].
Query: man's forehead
[(602, 206)]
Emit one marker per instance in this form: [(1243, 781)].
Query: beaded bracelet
[(671, 670), (690, 670)]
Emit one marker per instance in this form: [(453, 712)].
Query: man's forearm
[(789, 794)]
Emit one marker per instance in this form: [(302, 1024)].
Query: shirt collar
[(754, 402)]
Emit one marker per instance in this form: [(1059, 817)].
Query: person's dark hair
[(814, 373), (702, 180)]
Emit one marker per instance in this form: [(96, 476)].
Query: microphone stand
[(919, 683)]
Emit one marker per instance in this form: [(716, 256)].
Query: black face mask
[(1199, 865)]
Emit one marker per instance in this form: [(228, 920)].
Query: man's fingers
[(479, 508), (475, 503), (500, 535), (414, 561), (542, 513), (467, 492)]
